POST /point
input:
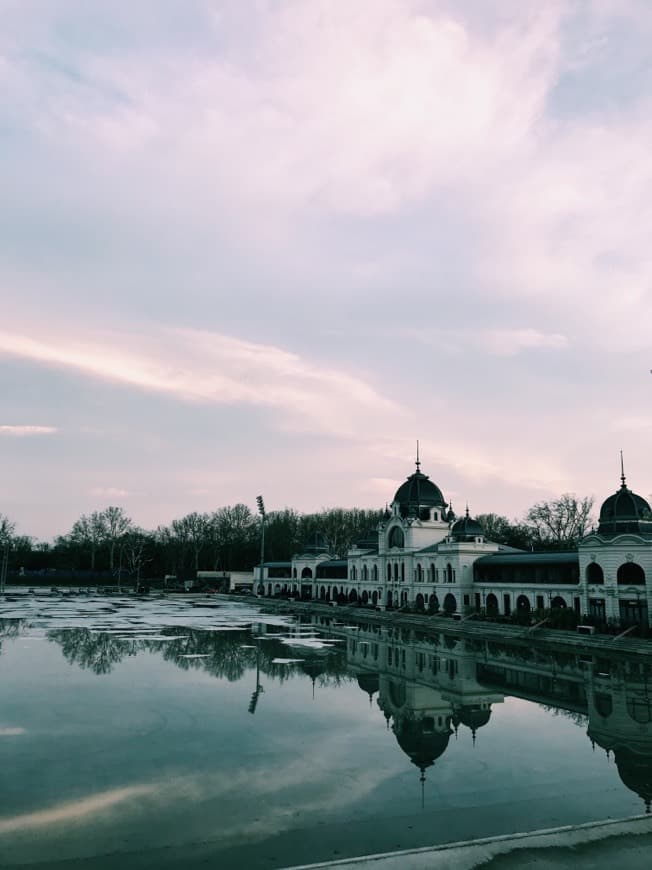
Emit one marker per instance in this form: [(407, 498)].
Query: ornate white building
[(422, 556)]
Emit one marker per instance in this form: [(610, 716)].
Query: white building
[(422, 556)]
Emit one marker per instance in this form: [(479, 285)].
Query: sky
[(263, 246)]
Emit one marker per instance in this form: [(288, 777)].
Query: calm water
[(177, 734)]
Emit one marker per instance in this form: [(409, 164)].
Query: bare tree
[(7, 528), (195, 529), (89, 531), (115, 524), (562, 521), (136, 543)]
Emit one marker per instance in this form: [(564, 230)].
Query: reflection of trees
[(10, 629), (222, 654), (92, 650)]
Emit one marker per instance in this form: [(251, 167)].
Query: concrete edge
[(581, 834)]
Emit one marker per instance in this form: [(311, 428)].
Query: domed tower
[(419, 516), (467, 530), (420, 498), (624, 512), (616, 560)]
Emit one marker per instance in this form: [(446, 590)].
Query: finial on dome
[(622, 471), (467, 510), (418, 462)]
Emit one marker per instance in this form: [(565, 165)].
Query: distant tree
[(115, 524), (137, 545), (282, 534), (234, 532), (195, 531), (561, 522), (89, 532), (501, 530), (7, 528)]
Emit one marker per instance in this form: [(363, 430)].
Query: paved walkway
[(624, 843)]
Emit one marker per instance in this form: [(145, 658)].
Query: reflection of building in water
[(431, 685), (423, 556), (620, 721)]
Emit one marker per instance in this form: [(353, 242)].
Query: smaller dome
[(466, 529)]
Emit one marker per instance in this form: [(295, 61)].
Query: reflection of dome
[(369, 684), (467, 529), (624, 511), (636, 773), (418, 492), (474, 716), (420, 742)]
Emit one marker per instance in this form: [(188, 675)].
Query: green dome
[(625, 511), (416, 493), (467, 529)]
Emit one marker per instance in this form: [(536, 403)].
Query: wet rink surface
[(203, 732)]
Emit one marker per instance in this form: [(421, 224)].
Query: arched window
[(396, 572), (396, 537), (523, 604), (631, 574), (419, 574), (450, 604), (594, 573), (389, 573), (374, 573), (402, 572), (365, 572), (354, 573), (449, 573), (306, 573), (492, 603)]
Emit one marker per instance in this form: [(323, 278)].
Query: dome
[(467, 529), (625, 511), (418, 492)]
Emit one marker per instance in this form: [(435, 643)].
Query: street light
[(261, 511)]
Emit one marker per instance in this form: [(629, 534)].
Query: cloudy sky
[(264, 245)]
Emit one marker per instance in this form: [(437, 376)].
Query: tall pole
[(261, 511), (5, 564)]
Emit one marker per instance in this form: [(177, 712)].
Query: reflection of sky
[(150, 747), (327, 230)]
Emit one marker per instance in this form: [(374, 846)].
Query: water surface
[(159, 733)]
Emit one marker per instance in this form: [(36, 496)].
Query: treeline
[(108, 542)]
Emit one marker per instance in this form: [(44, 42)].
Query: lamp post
[(261, 511)]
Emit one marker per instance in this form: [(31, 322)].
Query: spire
[(622, 472), (418, 462), (467, 510)]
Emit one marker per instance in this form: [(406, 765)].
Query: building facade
[(423, 556)]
